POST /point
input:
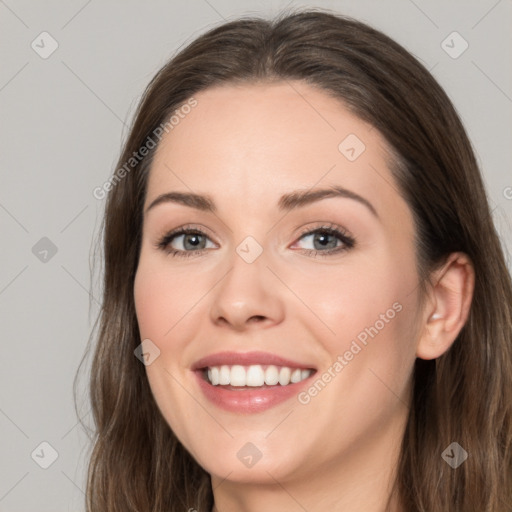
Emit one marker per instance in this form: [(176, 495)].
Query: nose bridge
[(246, 292)]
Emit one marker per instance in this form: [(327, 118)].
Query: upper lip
[(246, 359)]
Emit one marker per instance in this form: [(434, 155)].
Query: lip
[(248, 400), (247, 359)]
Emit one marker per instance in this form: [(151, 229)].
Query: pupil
[(192, 241), (323, 240)]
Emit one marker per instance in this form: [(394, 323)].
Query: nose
[(249, 296)]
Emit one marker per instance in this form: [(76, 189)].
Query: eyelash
[(330, 229)]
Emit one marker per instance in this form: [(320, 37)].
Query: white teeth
[(296, 376), (255, 375), (271, 375), (284, 376), (237, 377), (224, 375), (214, 375)]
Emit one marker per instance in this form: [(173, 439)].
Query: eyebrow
[(287, 202)]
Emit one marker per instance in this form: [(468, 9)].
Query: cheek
[(370, 356), (149, 306), (369, 306), (161, 298), (374, 290), (161, 301)]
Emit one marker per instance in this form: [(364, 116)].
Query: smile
[(255, 375), (250, 382)]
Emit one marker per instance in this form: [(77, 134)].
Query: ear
[(448, 306)]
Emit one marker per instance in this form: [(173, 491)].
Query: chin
[(245, 463)]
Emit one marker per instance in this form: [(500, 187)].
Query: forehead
[(248, 144)]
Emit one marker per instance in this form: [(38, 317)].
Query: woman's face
[(276, 281)]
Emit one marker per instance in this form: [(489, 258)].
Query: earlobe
[(448, 308)]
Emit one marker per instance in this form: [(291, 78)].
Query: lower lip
[(247, 399)]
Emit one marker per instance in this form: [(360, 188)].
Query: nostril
[(257, 318)]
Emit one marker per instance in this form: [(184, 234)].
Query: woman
[(306, 304)]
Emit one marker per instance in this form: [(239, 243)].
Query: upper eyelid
[(338, 231), (189, 228), (186, 229), (327, 226)]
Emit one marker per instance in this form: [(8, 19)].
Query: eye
[(185, 242), (327, 240), (324, 240)]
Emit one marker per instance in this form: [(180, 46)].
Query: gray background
[(63, 120)]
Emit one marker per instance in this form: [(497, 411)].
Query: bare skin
[(244, 147)]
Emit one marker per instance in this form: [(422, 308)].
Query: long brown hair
[(137, 463)]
